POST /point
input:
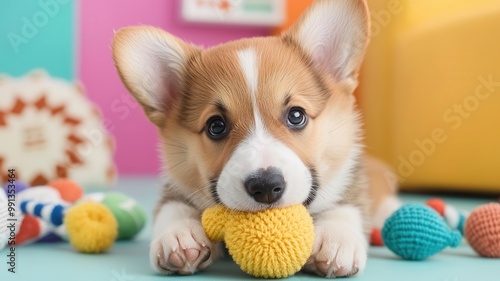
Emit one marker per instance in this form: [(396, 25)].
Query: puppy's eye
[(216, 128), (296, 118)]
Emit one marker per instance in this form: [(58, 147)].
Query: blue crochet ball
[(416, 232)]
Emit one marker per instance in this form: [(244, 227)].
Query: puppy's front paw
[(339, 251), (182, 249)]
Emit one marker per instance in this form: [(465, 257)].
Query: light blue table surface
[(128, 261)]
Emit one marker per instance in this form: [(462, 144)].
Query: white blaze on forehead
[(249, 66), (248, 63)]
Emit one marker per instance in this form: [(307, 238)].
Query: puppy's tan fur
[(187, 85)]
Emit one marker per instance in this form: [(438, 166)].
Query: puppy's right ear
[(151, 64)]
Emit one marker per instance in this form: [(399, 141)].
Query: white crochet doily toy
[(49, 129)]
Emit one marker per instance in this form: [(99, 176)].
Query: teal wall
[(38, 34)]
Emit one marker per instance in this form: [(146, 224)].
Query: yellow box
[(430, 92)]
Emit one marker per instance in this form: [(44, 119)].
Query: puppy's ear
[(334, 34), (151, 64)]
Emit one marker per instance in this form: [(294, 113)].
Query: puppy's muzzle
[(266, 185)]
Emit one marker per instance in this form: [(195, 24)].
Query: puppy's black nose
[(266, 185)]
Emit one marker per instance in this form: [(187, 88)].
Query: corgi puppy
[(260, 123)]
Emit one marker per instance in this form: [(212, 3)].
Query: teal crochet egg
[(416, 232)]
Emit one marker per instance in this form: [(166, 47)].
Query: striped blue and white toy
[(44, 195), (49, 212)]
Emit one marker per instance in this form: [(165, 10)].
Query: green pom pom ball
[(129, 215)]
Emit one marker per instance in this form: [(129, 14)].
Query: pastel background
[(74, 42), (136, 138), (47, 41), (424, 66)]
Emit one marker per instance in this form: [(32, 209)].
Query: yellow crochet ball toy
[(91, 227), (273, 243)]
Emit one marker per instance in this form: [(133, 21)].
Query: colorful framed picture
[(244, 12)]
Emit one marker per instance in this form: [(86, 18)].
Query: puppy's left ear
[(334, 34)]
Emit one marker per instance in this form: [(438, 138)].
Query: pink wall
[(136, 138)]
